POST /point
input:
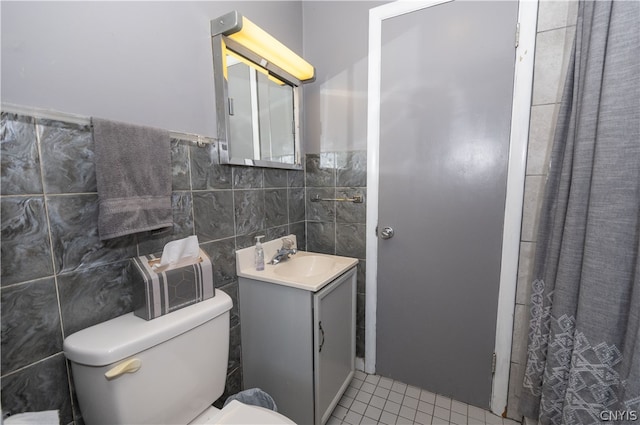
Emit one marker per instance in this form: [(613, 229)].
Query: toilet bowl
[(168, 370)]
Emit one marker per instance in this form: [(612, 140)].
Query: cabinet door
[(334, 342)]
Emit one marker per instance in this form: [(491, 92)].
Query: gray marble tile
[(275, 207), (297, 203), (19, 156), (206, 171), (232, 290), (350, 212), (516, 377), (362, 277), (360, 340), (232, 386), (277, 232), (40, 386), (520, 334), (180, 165), (275, 178), (235, 348), (249, 240), (299, 229), (95, 295), (360, 310), (533, 196), (525, 272), (30, 323), (553, 49), (245, 241), (554, 14), (223, 257), (249, 210), (295, 178), (182, 206), (541, 130), (320, 210), (25, 252), (321, 237), (320, 170), (213, 215), (67, 157), (248, 178), (74, 233), (351, 240), (351, 169)]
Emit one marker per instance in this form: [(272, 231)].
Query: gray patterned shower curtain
[(583, 364)]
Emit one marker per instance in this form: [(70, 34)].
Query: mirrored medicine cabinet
[(257, 94)]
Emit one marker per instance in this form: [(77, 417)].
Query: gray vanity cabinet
[(298, 345)]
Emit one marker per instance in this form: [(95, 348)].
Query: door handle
[(387, 233)]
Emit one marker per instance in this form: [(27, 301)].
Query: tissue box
[(162, 292)]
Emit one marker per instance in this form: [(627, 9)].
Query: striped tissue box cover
[(161, 293)]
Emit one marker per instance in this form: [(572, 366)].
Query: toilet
[(168, 370)]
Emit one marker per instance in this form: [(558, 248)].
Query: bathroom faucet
[(283, 253)]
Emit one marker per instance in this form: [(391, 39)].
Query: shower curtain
[(583, 363)]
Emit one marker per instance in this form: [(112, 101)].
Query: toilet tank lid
[(127, 335)]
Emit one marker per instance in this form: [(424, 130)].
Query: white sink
[(305, 266), (304, 270)]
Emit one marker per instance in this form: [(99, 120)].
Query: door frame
[(518, 139)]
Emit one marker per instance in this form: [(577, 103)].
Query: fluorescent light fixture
[(244, 32), (235, 58)]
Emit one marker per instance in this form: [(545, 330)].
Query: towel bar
[(356, 199), (198, 140)]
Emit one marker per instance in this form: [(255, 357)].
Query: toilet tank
[(182, 359)]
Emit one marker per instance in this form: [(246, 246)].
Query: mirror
[(261, 120), (257, 101)]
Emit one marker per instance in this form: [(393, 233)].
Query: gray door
[(446, 96)]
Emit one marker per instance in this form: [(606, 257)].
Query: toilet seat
[(236, 413)]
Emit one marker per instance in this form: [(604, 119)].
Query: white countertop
[(323, 268)]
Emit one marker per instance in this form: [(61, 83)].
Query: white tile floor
[(371, 399)]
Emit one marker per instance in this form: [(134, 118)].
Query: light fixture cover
[(243, 31)]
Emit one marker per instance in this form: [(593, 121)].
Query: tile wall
[(555, 33), (57, 277), (335, 227)]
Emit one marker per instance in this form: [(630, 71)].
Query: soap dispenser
[(259, 254)]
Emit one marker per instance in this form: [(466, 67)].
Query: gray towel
[(133, 173)]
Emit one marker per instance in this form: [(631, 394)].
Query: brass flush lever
[(128, 366)]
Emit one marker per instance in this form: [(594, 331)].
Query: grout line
[(208, 190), (304, 201), (533, 105), (564, 27), (335, 203), (193, 212), (67, 365), (55, 195), (20, 369), (46, 213), (264, 206), (21, 195), (24, 282), (233, 208)]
